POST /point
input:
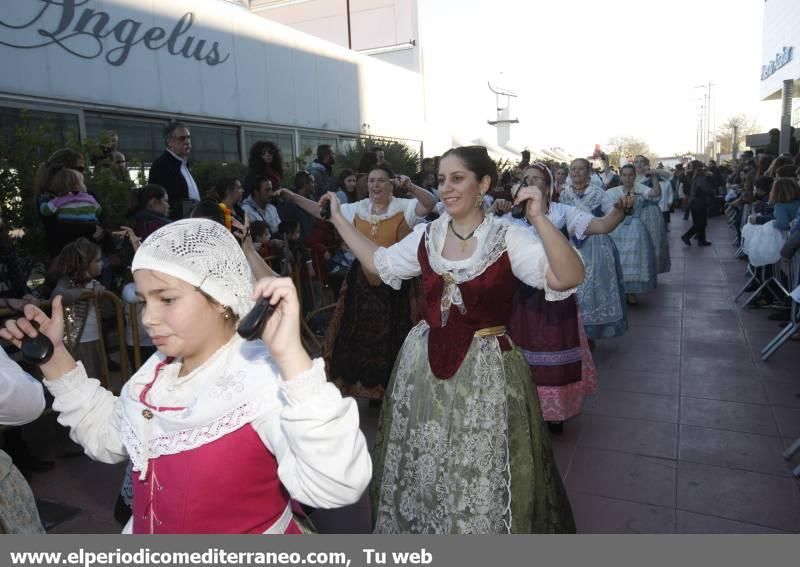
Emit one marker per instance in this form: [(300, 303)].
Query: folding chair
[(771, 283), (793, 326), (787, 454)]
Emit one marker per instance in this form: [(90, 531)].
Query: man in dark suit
[(171, 171)]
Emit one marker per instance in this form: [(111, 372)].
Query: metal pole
[(735, 143), (708, 124), (786, 117), (349, 36)]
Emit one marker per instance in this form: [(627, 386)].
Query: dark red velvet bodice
[(488, 302)]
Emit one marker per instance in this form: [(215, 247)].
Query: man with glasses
[(171, 171)]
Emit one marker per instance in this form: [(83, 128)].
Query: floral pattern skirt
[(469, 454), (654, 223), (18, 513), (601, 296)]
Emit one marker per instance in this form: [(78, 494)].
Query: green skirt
[(470, 454)]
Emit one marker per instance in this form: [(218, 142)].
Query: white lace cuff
[(305, 385), (549, 293), (383, 265), (68, 382)]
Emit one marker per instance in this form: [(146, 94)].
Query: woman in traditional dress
[(462, 447), (649, 186), (550, 333), (371, 319), (635, 246), (600, 298)]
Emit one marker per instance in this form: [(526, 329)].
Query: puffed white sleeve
[(608, 201), (410, 212), (93, 414), (21, 396), (348, 211), (577, 222), (400, 262), (315, 436), (529, 262)]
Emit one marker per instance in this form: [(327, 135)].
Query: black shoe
[(686, 240), (556, 427), (705, 243)]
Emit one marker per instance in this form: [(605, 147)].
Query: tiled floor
[(685, 436)]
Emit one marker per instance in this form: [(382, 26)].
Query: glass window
[(59, 129), (214, 143), (346, 144), (309, 142), (284, 141), (140, 140)]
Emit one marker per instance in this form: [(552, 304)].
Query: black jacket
[(166, 171)]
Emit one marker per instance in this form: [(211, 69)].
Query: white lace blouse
[(495, 236), (312, 431)]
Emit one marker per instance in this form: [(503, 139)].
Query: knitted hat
[(204, 254)]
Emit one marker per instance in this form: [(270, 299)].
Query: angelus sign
[(780, 60), (88, 33)]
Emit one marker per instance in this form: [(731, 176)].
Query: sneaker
[(686, 240), (706, 243)]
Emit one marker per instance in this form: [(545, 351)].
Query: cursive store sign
[(780, 60), (88, 33)]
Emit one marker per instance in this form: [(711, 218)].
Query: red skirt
[(552, 339)]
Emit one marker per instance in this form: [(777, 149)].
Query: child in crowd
[(76, 211), (266, 246), (225, 435), (76, 268)]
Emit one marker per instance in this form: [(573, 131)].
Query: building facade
[(86, 66), (780, 52)]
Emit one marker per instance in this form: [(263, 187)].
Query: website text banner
[(395, 551)]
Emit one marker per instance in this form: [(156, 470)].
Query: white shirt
[(526, 253), (268, 214), (191, 186), (363, 209), (21, 396), (21, 401)]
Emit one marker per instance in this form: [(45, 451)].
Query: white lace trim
[(384, 267), (592, 198), (305, 385), (491, 235), (68, 381), (142, 450)]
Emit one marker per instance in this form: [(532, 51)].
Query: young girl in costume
[(224, 434)]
